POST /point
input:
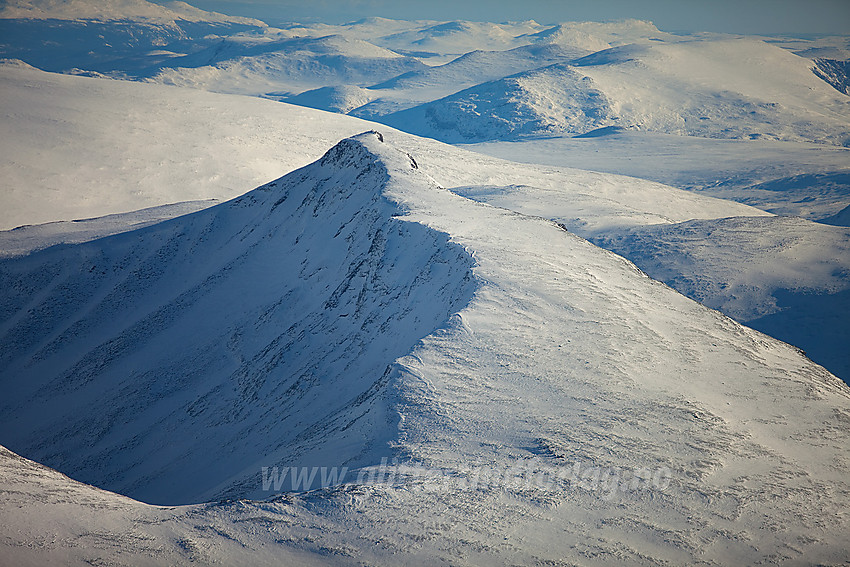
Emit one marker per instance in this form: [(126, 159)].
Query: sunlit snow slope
[(79, 147), (785, 276), (355, 311)]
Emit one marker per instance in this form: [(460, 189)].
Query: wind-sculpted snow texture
[(571, 410), (163, 363), (784, 276)]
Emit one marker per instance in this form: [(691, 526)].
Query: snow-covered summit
[(297, 296)]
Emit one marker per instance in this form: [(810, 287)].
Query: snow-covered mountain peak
[(270, 323), (365, 151), (433, 358)]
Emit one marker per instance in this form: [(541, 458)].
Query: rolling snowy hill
[(549, 101), (742, 89), (460, 81), (414, 87), (79, 147), (283, 64), (517, 379)]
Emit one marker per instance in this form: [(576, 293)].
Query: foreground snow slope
[(48, 519), (542, 416)]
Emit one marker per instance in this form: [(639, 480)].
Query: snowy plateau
[(419, 292)]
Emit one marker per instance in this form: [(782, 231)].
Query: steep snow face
[(572, 409), (836, 73), (262, 328)]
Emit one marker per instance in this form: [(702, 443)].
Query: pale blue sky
[(733, 16)]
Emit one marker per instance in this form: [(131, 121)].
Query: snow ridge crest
[(366, 151)]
